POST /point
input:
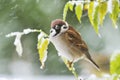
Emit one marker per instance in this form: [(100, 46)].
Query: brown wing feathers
[(74, 37)]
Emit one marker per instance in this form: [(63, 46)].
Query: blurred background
[(16, 15)]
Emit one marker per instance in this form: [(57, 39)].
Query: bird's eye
[(65, 27), (56, 27)]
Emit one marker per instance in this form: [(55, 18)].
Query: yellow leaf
[(115, 12), (68, 5), (102, 11), (93, 15), (42, 48), (115, 63), (71, 4), (86, 6), (78, 11), (65, 11), (119, 7), (90, 12), (96, 20)]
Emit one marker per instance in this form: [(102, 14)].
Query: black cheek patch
[(57, 31)]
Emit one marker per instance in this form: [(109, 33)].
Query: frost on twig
[(18, 36), (17, 41), (42, 45), (18, 44)]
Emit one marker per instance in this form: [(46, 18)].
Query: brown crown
[(57, 22)]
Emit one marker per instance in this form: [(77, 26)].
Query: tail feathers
[(94, 64)]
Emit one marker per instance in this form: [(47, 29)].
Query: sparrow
[(68, 42)]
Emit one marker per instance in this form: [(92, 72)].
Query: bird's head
[(58, 26)]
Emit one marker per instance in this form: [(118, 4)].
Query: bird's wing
[(74, 39)]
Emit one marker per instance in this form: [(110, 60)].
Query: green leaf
[(65, 10), (70, 66), (115, 12), (102, 11), (115, 63), (119, 7), (96, 20), (42, 46), (71, 4), (90, 12), (78, 11), (93, 12), (68, 5)]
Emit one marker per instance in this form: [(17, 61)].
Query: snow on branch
[(18, 36), (42, 45)]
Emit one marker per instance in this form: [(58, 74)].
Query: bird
[(69, 43)]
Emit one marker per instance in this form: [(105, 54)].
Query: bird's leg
[(72, 69), (70, 66), (70, 63)]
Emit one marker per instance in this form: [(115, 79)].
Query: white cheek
[(52, 33), (63, 30)]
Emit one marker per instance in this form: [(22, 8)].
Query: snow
[(53, 77)]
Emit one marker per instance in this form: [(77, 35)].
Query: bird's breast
[(62, 47)]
